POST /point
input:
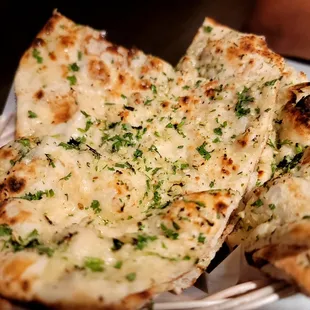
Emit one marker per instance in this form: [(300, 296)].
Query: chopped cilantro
[(131, 276), (201, 238), (203, 152), (24, 142), (5, 230), (95, 205), (85, 114), (50, 160), (118, 264), (169, 233), (284, 142), (89, 123), (169, 125), (72, 79), (257, 110), (298, 148), (138, 153), (272, 206), (154, 89), (67, 177), (270, 83), (31, 114), (80, 55), (74, 67), (186, 87), (216, 140), (94, 264), (123, 96), (45, 250), (271, 144), (142, 241), (38, 195), (176, 226), (180, 146), (186, 257), (36, 54), (212, 183), (243, 99), (198, 83), (258, 203), (148, 102), (218, 131), (207, 29)]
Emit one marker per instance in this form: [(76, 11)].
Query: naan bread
[(275, 226), (131, 192), (277, 147)]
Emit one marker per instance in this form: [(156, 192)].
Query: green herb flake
[(84, 113), (138, 153), (80, 55), (67, 177), (95, 205), (198, 83), (212, 183), (31, 114), (272, 206), (74, 67), (123, 96), (186, 257), (186, 87), (218, 131), (153, 89), (203, 152), (207, 29), (118, 264), (38, 195), (89, 123), (169, 233), (243, 100), (45, 250), (216, 140), (270, 83), (24, 142), (72, 79), (142, 241), (131, 276), (201, 238), (147, 102), (298, 148), (271, 144), (50, 160), (258, 203), (5, 230), (36, 54), (94, 264)]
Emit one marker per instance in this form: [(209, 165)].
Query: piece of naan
[(274, 227), (130, 193)]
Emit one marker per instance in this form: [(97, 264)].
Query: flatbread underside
[(142, 167)]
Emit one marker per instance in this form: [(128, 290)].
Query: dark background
[(162, 28)]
